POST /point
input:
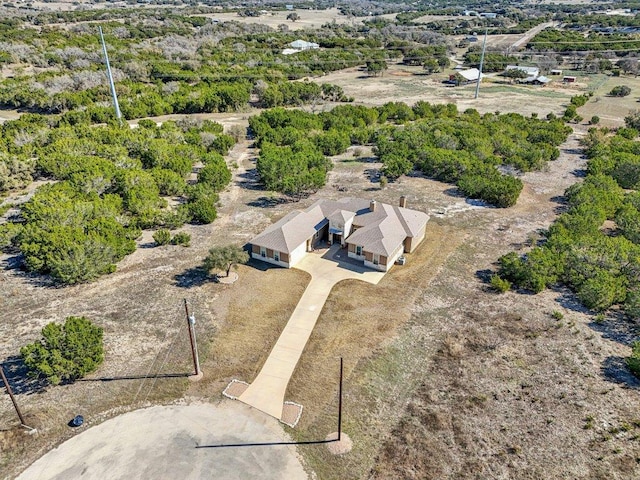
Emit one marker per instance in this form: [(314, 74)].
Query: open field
[(444, 379), (401, 83), (308, 18)]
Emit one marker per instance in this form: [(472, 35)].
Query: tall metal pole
[(111, 84), (8, 387), (340, 403), (191, 321), (484, 46)]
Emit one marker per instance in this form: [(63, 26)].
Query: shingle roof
[(291, 230), (381, 231)]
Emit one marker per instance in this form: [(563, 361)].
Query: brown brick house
[(375, 233)]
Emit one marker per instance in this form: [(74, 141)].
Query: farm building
[(468, 76)]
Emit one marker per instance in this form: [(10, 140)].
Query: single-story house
[(375, 233), (302, 45), (541, 80), (530, 71)]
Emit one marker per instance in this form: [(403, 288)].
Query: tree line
[(594, 247), (471, 150)]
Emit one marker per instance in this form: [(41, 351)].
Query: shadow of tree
[(454, 192), (193, 277), (617, 328), (250, 180), (614, 369), (269, 202), (19, 379), (15, 263), (568, 300)]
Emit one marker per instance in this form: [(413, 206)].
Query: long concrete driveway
[(266, 393)]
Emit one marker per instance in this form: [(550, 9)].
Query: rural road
[(267, 391), (530, 34), (160, 442)]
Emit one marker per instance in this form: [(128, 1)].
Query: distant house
[(302, 45), (567, 79), (468, 76), (289, 7), (375, 233), (541, 80), (556, 71), (530, 71), (488, 15)]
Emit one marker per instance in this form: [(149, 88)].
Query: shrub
[(557, 315), (181, 238), (620, 91), (633, 362), (65, 352), (162, 236), (595, 120), (500, 284)]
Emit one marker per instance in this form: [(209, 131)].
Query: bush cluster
[(111, 182)]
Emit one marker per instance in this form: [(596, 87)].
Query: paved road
[(159, 443), (266, 393)]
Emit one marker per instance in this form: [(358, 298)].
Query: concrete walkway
[(266, 393)]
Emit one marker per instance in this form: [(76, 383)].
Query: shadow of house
[(19, 378)]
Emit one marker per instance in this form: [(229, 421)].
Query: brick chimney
[(372, 205), (403, 201)]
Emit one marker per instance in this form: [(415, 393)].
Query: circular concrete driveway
[(160, 443)]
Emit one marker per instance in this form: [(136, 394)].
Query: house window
[(376, 259), (358, 250), (276, 256), (263, 252)]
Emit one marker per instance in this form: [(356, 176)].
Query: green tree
[(65, 352), (223, 258), (375, 67), (633, 362), (620, 91), (515, 74)]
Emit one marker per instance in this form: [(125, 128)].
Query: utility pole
[(112, 86), (484, 47), (191, 321), (13, 399), (340, 403)]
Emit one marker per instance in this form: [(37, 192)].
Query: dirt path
[(532, 33)]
